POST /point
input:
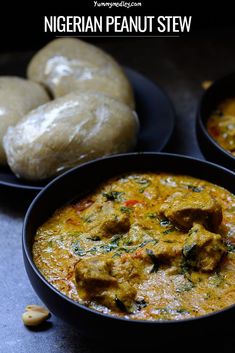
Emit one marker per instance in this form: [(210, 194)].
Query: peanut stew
[(148, 246)]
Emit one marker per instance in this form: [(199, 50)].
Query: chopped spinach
[(128, 242), (93, 250), (95, 238), (189, 251), (121, 306), (130, 249), (168, 231), (115, 239), (182, 311), (230, 247), (154, 260), (165, 222), (77, 249), (125, 209), (145, 242), (89, 218), (108, 247), (194, 188), (184, 268), (140, 304), (142, 181), (113, 195), (172, 311), (216, 280), (186, 287), (152, 215), (50, 244)]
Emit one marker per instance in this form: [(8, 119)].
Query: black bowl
[(83, 179), (221, 89)]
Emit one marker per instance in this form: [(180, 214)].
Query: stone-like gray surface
[(179, 66)]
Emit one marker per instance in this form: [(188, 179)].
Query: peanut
[(34, 307), (35, 315)]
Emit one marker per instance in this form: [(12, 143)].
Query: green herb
[(168, 231), (77, 249), (169, 241), (189, 251), (165, 222), (130, 249), (128, 242), (115, 239), (95, 238), (194, 188), (184, 268), (93, 250), (186, 287), (145, 242), (154, 260), (152, 215), (172, 311), (182, 311), (50, 243), (108, 247), (125, 209), (117, 254), (216, 280), (163, 310), (141, 304), (121, 306), (88, 219), (142, 181), (230, 247), (113, 195)]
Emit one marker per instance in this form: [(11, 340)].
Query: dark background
[(21, 27)]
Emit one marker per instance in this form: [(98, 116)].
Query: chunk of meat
[(183, 209), (128, 269), (94, 273), (115, 225), (110, 224), (168, 251), (96, 280), (203, 250), (83, 205)]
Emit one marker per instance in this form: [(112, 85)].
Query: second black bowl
[(221, 89)]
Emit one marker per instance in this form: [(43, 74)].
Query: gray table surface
[(179, 66)]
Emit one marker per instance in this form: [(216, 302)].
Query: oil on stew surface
[(144, 246)]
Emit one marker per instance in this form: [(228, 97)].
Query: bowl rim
[(27, 253), (202, 125)]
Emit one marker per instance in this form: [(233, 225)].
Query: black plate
[(80, 180), (154, 109), (221, 89)]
